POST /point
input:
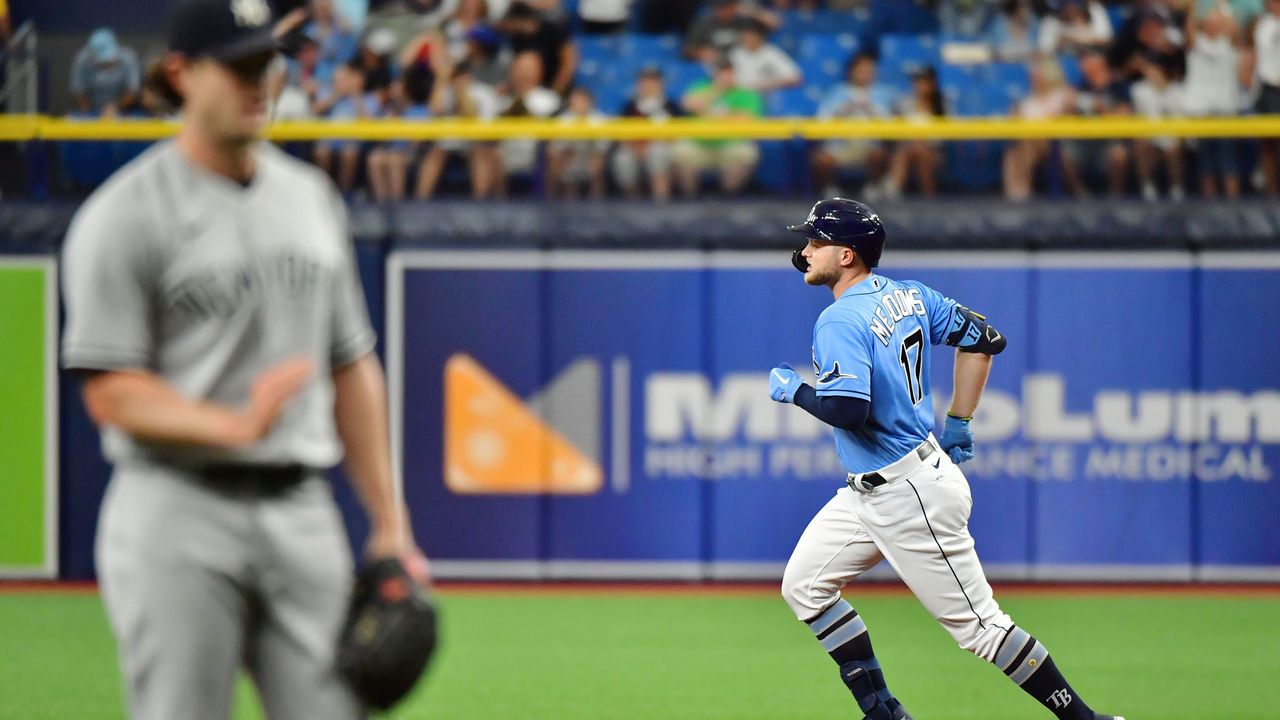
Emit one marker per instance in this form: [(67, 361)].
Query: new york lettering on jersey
[(872, 343)]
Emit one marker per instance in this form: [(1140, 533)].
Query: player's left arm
[(361, 416), (976, 342)]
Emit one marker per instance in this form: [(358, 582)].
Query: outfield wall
[(573, 413)]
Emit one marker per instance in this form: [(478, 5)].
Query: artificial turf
[(570, 655)]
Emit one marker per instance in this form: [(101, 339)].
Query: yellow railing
[(39, 127)]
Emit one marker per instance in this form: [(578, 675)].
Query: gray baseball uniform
[(211, 558)]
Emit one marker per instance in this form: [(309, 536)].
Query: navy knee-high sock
[(844, 636), (1028, 665)]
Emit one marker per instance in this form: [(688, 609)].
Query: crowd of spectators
[(424, 59)]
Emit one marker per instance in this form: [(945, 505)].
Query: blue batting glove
[(783, 383), (957, 439)]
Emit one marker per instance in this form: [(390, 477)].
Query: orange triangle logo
[(494, 444)]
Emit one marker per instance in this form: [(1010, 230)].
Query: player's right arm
[(842, 362), (110, 270)]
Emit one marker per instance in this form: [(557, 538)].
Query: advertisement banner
[(590, 413), (29, 421)]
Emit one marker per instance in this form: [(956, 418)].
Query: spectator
[(1077, 26), (463, 98), (573, 163), (1151, 36), (527, 98), (1242, 12), (489, 61), (650, 101), (761, 66), (664, 16), (920, 156), (971, 18), (1266, 43), (388, 164), (302, 84), (333, 34), (604, 17), (1100, 94), (1050, 98), (530, 31), (104, 76), (1157, 96), (469, 16), (858, 97), (720, 98), (346, 101), (1212, 87), (1013, 34), (373, 61), (714, 34)]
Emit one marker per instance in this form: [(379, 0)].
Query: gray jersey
[(172, 268)]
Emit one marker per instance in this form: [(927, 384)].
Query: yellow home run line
[(40, 127)]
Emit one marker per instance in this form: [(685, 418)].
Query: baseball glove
[(389, 635)]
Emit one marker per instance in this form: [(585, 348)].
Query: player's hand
[(399, 544), (957, 439), (783, 383), (271, 391)]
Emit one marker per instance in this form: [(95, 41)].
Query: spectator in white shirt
[(858, 97), (1157, 96), (760, 65), (1212, 87), (1076, 26), (604, 17), (463, 98), (1050, 98), (1266, 43), (574, 163)]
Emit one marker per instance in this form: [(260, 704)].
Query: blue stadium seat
[(681, 74), (797, 101), (600, 48), (833, 21), (823, 71), (975, 164), (837, 46), (774, 171), (1071, 69), (639, 50), (900, 55)]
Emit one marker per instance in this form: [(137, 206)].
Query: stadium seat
[(681, 74), (599, 48), (1071, 69), (838, 46), (794, 102), (900, 55), (640, 50), (832, 21)]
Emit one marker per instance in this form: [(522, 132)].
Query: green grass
[(740, 657)]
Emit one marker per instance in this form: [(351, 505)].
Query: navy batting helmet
[(843, 222)]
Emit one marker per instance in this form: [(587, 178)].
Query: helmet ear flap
[(798, 260)]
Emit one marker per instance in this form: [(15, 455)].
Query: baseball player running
[(214, 309), (906, 500)]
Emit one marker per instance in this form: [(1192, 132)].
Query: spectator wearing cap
[(860, 96), (715, 33), (571, 164), (1074, 27), (1215, 74), (1050, 98), (531, 31), (649, 101), (1099, 94), (373, 60), (105, 77), (760, 65), (1152, 35), (604, 17), (488, 58), (302, 84), (462, 97), (1266, 43), (918, 158), (719, 98), (1014, 33), (469, 16)]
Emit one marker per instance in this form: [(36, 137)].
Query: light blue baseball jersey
[(873, 343)]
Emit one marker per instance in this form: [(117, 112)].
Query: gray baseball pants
[(199, 582)]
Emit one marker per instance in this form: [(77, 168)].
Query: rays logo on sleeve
[(831, 376)]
